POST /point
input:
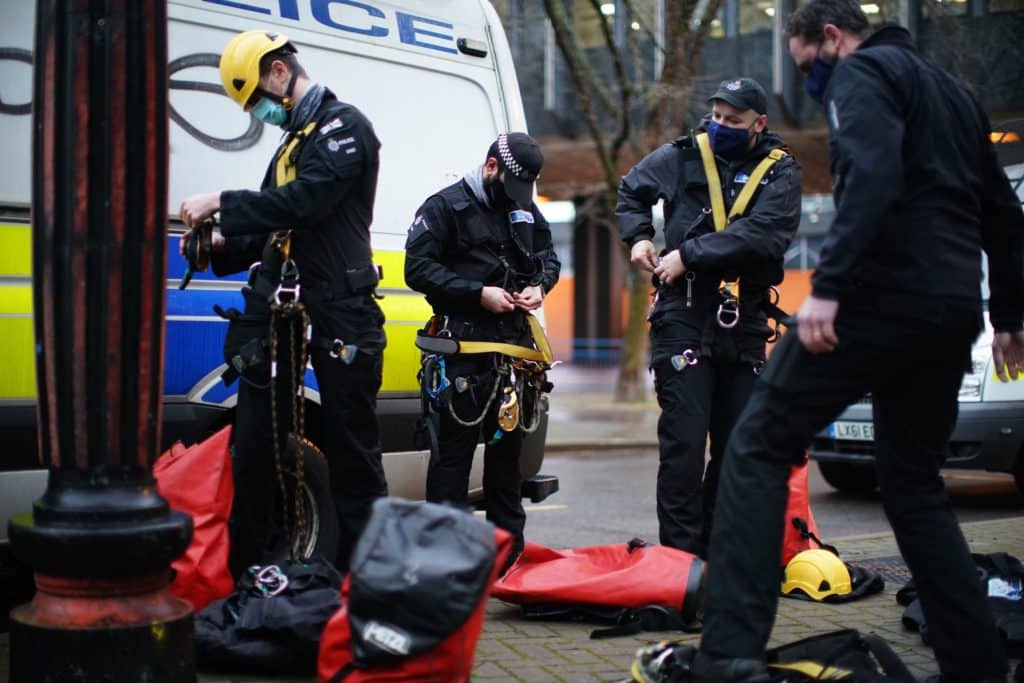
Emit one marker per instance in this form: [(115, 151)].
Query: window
[(587, 22), (756, 15)]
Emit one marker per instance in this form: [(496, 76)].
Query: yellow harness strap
[(541, 354), (739, 207), (288, 154)]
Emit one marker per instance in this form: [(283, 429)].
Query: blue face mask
[(728, 143), (817, 79), (270, 112)]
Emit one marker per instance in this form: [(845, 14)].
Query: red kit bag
[(390, 637), (634, 586), (197, 480), (801, 531)]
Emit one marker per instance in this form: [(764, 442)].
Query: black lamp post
[(101, 539)]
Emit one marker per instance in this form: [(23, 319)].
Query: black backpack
[(273, 620), (846, 655), (1007, 605)]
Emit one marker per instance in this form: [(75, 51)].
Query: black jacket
[(329, 205), (457, 245), (917, 186), (752, 246)]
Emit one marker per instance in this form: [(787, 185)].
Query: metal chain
[(299, 420), (297, 373), (487, 405), (273, 420)]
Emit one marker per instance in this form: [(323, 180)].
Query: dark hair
[(492, 151), (808, 21), (286, 54)]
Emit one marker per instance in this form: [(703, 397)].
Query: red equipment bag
[(801, 531), (197, 480), (450, 660), (635, 586)]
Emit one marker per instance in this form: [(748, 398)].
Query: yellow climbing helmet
[(818, 574), (240, 62)]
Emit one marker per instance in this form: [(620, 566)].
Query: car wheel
[(1018, 472), (316, 504), (849, 478)]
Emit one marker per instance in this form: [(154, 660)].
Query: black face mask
[(495, 189)]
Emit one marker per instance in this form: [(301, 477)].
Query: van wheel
[(320, 525), (849, 478)]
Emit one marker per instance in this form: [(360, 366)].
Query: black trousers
[(913, 368), (697, 402), (350, 440), (448, 474)]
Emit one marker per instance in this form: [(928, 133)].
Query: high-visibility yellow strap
[(287, 155), (739, 207), (814, 670), (541, 354), (714, 183)]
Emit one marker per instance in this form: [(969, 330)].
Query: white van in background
[(436, 80)]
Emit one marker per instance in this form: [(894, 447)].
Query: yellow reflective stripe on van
[(17, 341), (405, 311), (16, 255)]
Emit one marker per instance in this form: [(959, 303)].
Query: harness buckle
[(286, 295), (728, 313)]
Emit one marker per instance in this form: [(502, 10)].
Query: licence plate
[(852, 431)]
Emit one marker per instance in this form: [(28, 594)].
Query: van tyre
[(321, 518), (849, 478)]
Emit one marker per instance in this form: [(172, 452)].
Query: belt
[(451, 345)]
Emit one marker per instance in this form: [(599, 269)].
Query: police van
[(436, 80), (989, 431)]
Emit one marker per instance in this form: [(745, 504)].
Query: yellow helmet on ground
[(240, 62), (818, 574)]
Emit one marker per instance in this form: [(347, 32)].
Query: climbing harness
[(520, 372), (729, 310)]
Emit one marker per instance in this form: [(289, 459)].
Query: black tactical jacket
[(918, 189), (457, 245), (752, 247), (329, 205)]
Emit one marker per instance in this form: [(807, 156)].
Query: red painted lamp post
[(101, 539)]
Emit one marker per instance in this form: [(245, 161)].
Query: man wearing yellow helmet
[(320, 185)]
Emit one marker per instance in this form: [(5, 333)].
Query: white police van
[(437, 81), (989, 431)]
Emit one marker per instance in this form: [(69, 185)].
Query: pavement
[(584, 417)]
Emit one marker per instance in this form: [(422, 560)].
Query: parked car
[(437, 82), (989, 431)]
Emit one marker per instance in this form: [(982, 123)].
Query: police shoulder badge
[(520, 216)]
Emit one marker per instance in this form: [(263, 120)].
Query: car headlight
[(974, 378)]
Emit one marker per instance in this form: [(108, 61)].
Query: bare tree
[(622, 110)]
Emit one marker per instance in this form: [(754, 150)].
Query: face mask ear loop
[(285, 100)]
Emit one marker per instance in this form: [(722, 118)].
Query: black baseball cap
[(742, 93), (519, 155)]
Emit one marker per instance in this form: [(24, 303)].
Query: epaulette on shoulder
[(682, 142)]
